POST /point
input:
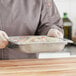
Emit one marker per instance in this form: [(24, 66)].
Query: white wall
[(68, 6)]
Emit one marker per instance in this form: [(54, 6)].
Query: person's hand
[(3, 39), (55, 33)]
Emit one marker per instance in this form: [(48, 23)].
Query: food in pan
[(34, 39), (43, 39), (37, 44)]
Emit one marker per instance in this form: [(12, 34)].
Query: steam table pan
[(38, 44)]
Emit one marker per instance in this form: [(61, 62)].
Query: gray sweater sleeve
[(49, 19)]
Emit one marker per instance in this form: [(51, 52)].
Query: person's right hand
[(3, 39)]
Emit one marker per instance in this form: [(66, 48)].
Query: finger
[(2, 36), (60, 35), (52, 34), (5, 35), (55, 33)]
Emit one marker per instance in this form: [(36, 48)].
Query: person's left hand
[(3, 39), (55, 33)]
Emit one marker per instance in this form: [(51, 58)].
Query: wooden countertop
[(39, 67)]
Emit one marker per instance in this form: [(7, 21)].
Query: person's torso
[(19, 17)]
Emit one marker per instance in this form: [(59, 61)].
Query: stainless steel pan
[(26, 43)]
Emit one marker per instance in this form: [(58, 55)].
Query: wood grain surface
[(39, 67)]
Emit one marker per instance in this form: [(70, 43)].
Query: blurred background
[(69, 7)]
